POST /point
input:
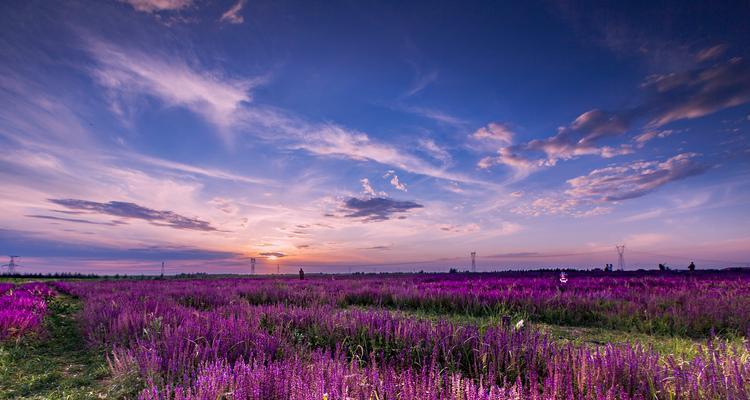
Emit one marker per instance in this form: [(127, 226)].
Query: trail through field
[(58, 366)]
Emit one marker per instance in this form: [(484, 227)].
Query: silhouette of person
[(301, 274), (662, 267), (691, 267)]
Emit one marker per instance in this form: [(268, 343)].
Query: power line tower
[(473, 261), (252, 265), (278, 269), (11, 265), (621, 257), (162, 268)]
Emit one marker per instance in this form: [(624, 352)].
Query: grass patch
[(58, 365)]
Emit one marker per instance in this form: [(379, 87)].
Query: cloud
[(333, 140), (468, 228), (511, 157), (395, 182), (643, 138), (224, 102), (128, 73), (669, 98), (558, 204), (274, 254), (76, 220), (437, 116), (633, 180), (233, 15), (710, 53), (367, 188), (377, 208), (134, 211), (696, 93), (421, 83), (382, 247), (590, 195), (495, 132), (151, 6), (430, 147), (581, 137)]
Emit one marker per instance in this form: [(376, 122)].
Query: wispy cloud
[(437, 116), (421, 83), (75, 220), (232, 15), (333, 140), (127, 73), (647, 136), (435, 151), (696, 93), (710, 53), (495, 132)]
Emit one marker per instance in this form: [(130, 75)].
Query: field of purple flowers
[(22, 309), (357, 337)]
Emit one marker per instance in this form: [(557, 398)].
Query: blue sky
[(384, 136)]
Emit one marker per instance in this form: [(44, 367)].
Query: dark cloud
[(273, 254), (377, 208), (132, 210), (76, 220), (377, 248)]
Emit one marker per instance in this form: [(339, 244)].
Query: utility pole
[(473, 261), (12, 265), (162, 269), (252, 265), (621, 257)]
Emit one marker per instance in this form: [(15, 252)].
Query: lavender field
[(425, 336)]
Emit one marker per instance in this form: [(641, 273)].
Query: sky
[(373, 136)]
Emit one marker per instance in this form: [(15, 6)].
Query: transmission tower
[(162, 268), (278, 269), (473, 261), (11, 265), (621, 257), (252, 265)]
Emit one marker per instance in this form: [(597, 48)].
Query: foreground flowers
[(22, 309), (277, 339)]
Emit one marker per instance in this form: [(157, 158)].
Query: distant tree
[(691, 267), (452, 271)]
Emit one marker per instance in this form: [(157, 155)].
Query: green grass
[(58, 365)]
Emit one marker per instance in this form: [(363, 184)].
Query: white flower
[(519, 324)]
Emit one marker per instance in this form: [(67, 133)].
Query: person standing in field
[(301, 274)]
